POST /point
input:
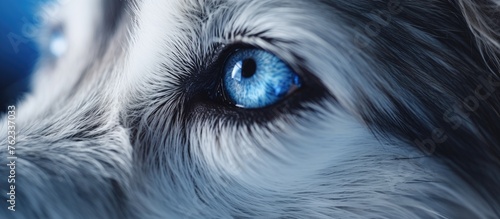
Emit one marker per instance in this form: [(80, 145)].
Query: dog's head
[(267, 109)]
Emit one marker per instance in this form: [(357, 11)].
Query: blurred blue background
[(18, 52)]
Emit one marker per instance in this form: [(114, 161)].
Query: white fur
[(101, 135)]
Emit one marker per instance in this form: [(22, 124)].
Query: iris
[(254, 78)]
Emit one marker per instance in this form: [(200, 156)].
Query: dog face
[(157, 109)]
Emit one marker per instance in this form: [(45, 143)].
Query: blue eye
[(254, 78), (57, 43)]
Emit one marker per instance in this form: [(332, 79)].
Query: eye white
[(58, 44)]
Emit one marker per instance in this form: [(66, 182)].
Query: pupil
[(248, 68)]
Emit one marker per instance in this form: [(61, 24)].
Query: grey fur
[(113, 129)]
